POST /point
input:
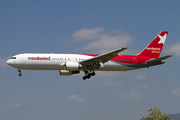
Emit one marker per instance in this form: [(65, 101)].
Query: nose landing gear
[(20, 74)]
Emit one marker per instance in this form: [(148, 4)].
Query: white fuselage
[(57, 61)]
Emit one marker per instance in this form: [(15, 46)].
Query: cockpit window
[(13, 58)]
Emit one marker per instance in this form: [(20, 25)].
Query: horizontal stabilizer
[(159, 59)]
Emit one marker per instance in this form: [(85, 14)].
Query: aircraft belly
[(52, 65), (111, 66), (42, 66)]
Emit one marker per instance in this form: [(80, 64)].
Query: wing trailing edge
[(102, 58)]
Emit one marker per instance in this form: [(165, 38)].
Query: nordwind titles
[(152, 48), (39, 58)]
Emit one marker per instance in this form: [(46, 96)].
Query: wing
[(102, 58), (159, 59)]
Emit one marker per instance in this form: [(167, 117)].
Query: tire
[(84, 78), (20, 74)]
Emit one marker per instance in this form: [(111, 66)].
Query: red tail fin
[(153, 50)]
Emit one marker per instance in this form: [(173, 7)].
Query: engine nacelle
[(67, 72), (76, 66), (72, 65)]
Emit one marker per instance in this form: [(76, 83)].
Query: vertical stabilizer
[(154, 48)]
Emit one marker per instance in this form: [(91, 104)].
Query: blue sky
[(94, 26)]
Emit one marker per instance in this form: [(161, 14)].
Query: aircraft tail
[(154, 48)]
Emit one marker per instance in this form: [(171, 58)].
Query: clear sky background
[(91, 26)]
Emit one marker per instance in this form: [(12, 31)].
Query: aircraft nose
[(10, 62)]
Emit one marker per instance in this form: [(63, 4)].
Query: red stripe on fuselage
[(130, 59)]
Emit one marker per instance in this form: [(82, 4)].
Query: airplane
[(68, 64)]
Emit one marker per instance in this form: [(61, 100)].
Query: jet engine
[(77, 66), (72, 65), (68, 72)]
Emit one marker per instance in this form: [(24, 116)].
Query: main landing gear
[(88, 75), (20, 74)]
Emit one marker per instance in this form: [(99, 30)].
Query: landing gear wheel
[(20, 74), (88, 76), (93, 73), (84, 78)]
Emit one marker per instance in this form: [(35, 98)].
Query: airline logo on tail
[(158, 50), (153, 50), (162, 39)]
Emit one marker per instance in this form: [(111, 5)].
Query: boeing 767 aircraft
[(69, 64)]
